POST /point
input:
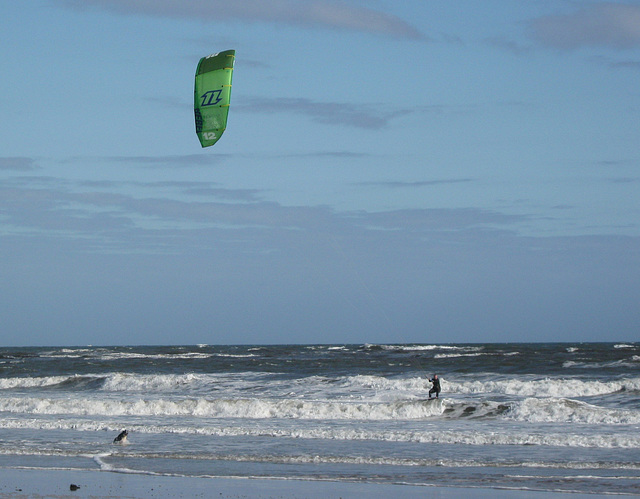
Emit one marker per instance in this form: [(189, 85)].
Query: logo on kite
[(208, 98)]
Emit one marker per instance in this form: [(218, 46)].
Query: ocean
[(547, 417)]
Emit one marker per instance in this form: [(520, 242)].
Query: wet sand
[(100, 484)]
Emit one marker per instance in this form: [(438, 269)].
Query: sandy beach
[(97, 484)]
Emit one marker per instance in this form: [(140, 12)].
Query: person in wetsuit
[(436, 386)]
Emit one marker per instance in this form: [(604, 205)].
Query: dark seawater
[(550, 417)]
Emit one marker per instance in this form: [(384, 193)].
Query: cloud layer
[(315, 13), (82, 254), (602, 24), (327, 113), (18, 164)]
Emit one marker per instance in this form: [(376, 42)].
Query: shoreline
[(57, 483)]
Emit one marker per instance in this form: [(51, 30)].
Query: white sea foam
[(31, 382), (345, 432), (257, 408), (159, 356), (70, 353), (418, 348), (107, 354), (476, 354), (127, 382), (102, 458), (390, 385), (569, 387), (600, 365), (134, 383), (388, 461), (452, 355), (535, 410), (371, 387)]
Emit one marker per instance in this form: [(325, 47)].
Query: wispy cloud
[(625, 180), (187, 160), (602, 24), (95, 216), (19, 164), (394, 184), (516, 48), (329, 154), (328, 113), (616, 64), (431, 220), (313, 13)]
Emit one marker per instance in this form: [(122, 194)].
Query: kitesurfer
[(436, 386)]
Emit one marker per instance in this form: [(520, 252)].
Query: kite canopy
[(212, 95)]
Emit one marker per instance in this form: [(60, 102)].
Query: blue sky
[(415, 171)]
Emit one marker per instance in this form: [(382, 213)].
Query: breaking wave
[(226, 408), (569, 387), (564, 410)]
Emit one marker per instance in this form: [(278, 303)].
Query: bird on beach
[(121, 438)]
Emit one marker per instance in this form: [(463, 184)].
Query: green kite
[(212, 95)]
